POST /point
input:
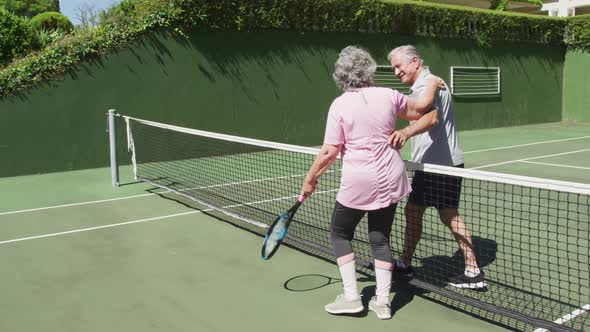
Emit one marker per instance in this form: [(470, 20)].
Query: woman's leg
[(380, 223), (344, 222)]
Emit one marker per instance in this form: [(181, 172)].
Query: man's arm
[(421, 105), (399, 137)]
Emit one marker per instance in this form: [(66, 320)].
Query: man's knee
[(448, 215)]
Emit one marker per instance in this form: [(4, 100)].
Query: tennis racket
[(278, 230)]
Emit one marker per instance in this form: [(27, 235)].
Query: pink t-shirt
[(373, 173)]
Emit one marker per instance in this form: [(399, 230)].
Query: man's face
[(403, 69)]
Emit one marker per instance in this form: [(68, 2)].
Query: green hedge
[(404, 17), (395, 16), (43, 65), (577, 35), (51, 21), (15, 36)]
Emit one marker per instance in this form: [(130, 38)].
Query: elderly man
[(439, 145)]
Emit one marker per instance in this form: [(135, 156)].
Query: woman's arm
[(420, 105), (322, 162)]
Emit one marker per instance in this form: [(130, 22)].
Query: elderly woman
[(374, 178)]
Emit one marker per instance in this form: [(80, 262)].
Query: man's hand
[(398, 139)]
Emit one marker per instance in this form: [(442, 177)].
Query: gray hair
[(408, 53), (355, 68)]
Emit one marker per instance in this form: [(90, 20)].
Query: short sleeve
[(334, 132), (399, 101)]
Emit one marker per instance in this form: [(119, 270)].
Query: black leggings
[(344, 222)]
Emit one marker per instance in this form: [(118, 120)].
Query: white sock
[(348, 274), (470, 273), (383, 287)]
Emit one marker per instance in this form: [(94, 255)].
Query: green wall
[(269, 85), (527, 72), (576, 86)]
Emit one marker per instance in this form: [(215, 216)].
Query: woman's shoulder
[(378, 89), (388, 92)]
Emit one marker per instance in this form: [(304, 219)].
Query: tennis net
[(531, 236)]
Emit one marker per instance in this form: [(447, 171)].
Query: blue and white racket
[(278, 230)]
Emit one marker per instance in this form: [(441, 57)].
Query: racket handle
[(301, 199)]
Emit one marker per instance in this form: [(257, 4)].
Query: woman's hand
[(308, 187), (440, 84)]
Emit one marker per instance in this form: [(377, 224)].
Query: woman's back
[(373, 173)]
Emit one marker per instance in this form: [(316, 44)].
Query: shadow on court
[(310, 282), (129, 183), (436, 270), (404, 293)]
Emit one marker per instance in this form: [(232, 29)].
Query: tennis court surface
[(80, 254)]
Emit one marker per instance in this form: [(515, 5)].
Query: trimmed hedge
[(15, 36), (577, 33), (51, 21), (404, 17)]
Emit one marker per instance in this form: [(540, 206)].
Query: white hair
[(355, 68), (408, 53)]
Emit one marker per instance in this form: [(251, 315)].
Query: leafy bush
[(15, 36), (51, 21), (503, 4), (29, 8), (24, 73), (578, 32), (42, 38), (132, 10)]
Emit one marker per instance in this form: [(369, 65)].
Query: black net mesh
[(532, 243)]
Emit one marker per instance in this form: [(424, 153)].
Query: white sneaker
[(344, 306), (383, 310)]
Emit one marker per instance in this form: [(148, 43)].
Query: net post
[(113, 147)]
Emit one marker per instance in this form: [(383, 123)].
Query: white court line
[(77, 204), (276, 199), (143, 195), (556, 165), (568, 317), (528, 144), (539, 157), (154, 218), (98, 227)]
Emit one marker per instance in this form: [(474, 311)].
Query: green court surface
[(81, 255)]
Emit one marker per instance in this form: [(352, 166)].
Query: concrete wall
[(576, 86)]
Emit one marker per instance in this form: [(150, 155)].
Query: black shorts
[(437, 190)]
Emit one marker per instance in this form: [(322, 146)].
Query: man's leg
[(472, 277), (452, 219)]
